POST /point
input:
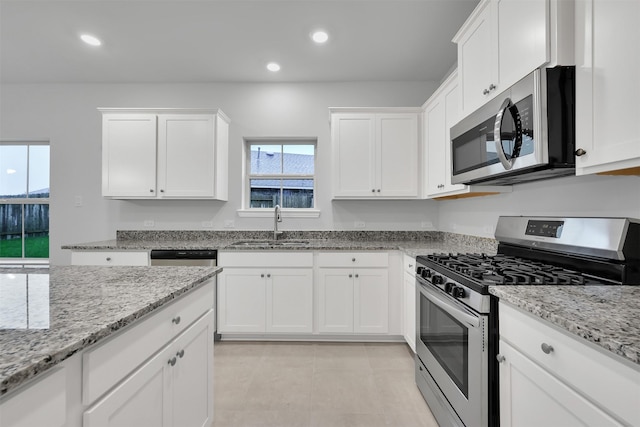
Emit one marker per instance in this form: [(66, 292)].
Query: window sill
[(286, 213)]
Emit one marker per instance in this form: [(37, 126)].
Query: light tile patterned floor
[(317, 385)]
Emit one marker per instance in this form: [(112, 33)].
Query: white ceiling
[(228, 41)]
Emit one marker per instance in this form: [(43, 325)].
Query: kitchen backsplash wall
[(66, 114)]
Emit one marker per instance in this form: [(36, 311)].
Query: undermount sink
[(270, 243)]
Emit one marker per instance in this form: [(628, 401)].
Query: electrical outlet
[(149, 223), (78, 201), (359, 224), (207, 224), (427, 224), (229, 223)]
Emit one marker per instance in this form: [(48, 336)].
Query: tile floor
[(316, 385)]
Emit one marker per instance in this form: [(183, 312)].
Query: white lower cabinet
[(549, 378), (265, 293), (172, 389), (353, 300), (140, 258)]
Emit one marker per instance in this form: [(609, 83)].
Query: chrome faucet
[(277, 217)]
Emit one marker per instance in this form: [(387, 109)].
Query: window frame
[(247, 210), (27, 261)]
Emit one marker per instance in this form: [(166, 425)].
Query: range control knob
[(437, 280), (419, 271), (458, 292), (425, 273), (447, 287)]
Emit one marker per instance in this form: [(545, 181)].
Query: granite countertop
[(47, 315), (411, 243), (604, 315)]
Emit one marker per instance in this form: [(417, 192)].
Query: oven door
[(452, 345)]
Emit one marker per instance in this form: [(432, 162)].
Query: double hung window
[(24, 200)]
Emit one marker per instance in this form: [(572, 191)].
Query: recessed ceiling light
[(91, 40), (320, 37), (273, 66)]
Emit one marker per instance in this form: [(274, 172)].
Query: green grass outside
[(35, 247)]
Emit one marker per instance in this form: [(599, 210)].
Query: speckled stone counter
[(604, 315), (48, 315), (411, 242)]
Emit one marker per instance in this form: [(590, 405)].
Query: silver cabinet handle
[(108, 258), (172, 361), (262, 275), (268, 275), (151, 190), (500, 358), (485, 92), (353, 260), (357, 276), (378, 190), (492, 86), (546, 348), (162, 191), (410, 265), (351, 275), (180, 354), (176, 320), (373, 190), (580, 152)]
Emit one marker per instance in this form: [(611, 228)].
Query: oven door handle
[(455, 311)]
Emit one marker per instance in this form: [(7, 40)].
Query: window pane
[(298, 159), (265, 193), (36, 231), (13, 170), (266, 159), (297, 193), (39, 171), (11, 231)]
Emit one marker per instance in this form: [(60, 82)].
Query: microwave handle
[(507, 163)]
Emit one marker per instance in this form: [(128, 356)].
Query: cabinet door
[(409, 299), (523, 38), (371, 301), (142, 399), (289, 300), (129, 155), (436, 145), (531, 396), (397, 155), (110, 258), (353, 140), (335, 305), (186, 156), (478, 60), (241, 300), (192, 375), (607, 85)]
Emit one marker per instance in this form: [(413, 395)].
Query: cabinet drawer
[(42, 403), (265, 259), (110, 258), (611, 384), (105, 365), (409, 265), (353, 259)]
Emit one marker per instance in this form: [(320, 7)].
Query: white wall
[(66, 115), (591, 195)]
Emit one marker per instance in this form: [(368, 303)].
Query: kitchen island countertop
[(606, 316), (48, 315)]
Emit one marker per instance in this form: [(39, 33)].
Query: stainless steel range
[(457, 319)]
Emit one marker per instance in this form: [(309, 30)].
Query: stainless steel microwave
[(525, 133)]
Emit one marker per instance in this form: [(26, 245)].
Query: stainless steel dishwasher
[(190, 258)]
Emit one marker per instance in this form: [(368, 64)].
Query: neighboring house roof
[(265, 163)]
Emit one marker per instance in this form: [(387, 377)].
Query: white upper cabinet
[(164, 154), (375, 153), (441, 112), (607, 87), (504, 40)]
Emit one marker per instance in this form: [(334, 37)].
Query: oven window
[(447, 340)]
